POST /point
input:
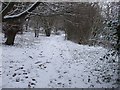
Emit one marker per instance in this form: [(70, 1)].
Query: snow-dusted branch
[(5, 8), (24, 12)]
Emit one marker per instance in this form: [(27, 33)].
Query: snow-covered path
[(47, 62)]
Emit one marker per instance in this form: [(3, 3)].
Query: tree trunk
[(48, 32), (36, 32), (11, 37)]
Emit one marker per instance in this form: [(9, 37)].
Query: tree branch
[(24, 13), (7, 9)]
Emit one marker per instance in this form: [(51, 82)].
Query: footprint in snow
[(31, 57)]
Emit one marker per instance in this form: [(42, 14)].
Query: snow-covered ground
[(0, 64), (47, 62)]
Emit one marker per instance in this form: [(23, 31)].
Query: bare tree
[(13, 21)]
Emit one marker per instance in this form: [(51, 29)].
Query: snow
[(0, 62), (53, 62)]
